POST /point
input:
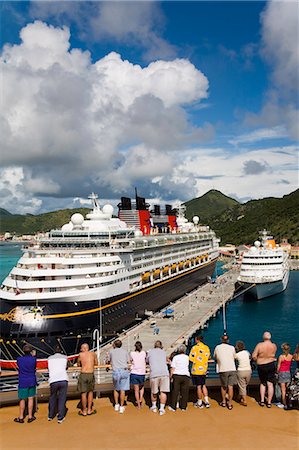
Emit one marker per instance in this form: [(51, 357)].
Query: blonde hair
[(285, 347)]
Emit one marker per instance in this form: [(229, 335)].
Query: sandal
[(92, 412), (229, 407), (31, 419), (18, 420), (80, 413), (269, 405), (223, 404), (262, 403)]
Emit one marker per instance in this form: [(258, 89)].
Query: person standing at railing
[(180, 375), (224, 354), (159, 376), (244, 370), (119, 360), (138, 370), (264, 355), (284, 371), (58, 380), (86, 381), (199, 358), (26, 366)]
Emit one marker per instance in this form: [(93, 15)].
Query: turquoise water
[(246, 319)]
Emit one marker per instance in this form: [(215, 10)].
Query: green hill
[(209, 205), (30, 224), (241, 224)]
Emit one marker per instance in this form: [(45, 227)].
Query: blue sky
[(175, 98)]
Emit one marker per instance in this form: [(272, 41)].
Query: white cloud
[(261, 134), (280, 48), (137, 23), (66, 121), (220, 169)]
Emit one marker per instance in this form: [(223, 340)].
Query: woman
[(137, 375), (284, 370), (180, 375), (296, 356), (243, 371)]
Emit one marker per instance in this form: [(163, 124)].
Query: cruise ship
[(264, 269), (95, 277)]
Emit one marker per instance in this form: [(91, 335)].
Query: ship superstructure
[(264, 269), (101, 273)]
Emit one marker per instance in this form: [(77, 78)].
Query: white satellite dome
[(108, 209), (67, 227), (195, 220), (257, 244), (138, 233), (77, 219)]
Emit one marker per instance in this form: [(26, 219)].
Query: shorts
[(228, 378), (86, 382), (284, 377), (199, 380), (161, 384), (24, 393), (266, 372), (121, 379), (137, 379)]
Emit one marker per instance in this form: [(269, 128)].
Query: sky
[(173, 98)]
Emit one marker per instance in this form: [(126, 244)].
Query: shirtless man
[(264, 355), (87, 360)]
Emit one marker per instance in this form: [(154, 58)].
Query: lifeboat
[(145, 277), (156, 274), (165, 270), (187, 263), (181, 265), (173, 267), (197, 260)]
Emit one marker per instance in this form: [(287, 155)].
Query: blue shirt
[(27, 368)]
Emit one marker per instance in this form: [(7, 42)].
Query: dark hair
[(58, 349), (27, 349), (138, 346), (158, 344), (199, 338), (224, 338), (118, 343), (239, 346)]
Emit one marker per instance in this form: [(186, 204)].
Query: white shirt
[(180, 364), (57, 365), (243, 360), (225, 357)]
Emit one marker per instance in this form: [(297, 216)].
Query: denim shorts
[(137, 379), (284, 377), (121, 379)]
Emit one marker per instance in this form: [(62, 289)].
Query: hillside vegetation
[(232, 221), (30, 224), (241, 223)]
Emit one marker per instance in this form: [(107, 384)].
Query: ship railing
[(103, 379)]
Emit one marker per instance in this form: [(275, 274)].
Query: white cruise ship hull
[(264, 290)]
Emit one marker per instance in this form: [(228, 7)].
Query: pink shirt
[(138, 362)]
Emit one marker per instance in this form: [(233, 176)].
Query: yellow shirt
[(199, 356)]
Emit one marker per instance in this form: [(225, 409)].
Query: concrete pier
[(190, 313)]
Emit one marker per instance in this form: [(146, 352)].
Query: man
[(224, 355), (264, 355), (26, 366), (199, 357), (58, 380), (87, 360), (119, 359), (159, 376)]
